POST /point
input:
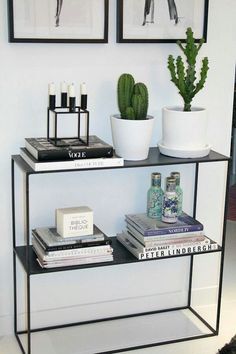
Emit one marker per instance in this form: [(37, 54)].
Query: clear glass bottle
[(170, 201), (179, 192), (155, 197)]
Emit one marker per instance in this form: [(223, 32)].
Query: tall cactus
[(185, 77), (132, 98)]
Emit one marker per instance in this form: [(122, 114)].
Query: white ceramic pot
[(184, 134), (131, 138)]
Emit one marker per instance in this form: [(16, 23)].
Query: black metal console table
[(27, 258)]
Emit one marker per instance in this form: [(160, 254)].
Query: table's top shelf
[(155, 158)]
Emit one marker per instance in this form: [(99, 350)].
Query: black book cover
[(44, 150), (67, 246)]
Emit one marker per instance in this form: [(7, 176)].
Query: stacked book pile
[(52, 250), (148, 238), (43, 155)]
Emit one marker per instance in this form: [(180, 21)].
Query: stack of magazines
[(148, 238), (52, 250)]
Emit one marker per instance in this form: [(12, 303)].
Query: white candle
[(83, 89), (72, 90), (51, 88), (63, 87)]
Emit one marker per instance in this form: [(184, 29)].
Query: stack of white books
[(148, 238), (52, 250)]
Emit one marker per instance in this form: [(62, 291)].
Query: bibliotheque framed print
[(68, 21), (151, 21)]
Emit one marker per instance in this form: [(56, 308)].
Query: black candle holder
[(67, 141)]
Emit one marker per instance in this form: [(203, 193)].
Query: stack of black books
[(42, 155), (52, 250), (148, 238)]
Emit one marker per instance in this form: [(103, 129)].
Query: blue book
[(152, 227)]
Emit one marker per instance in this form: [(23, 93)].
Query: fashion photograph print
[(160, 20), (58, 20)]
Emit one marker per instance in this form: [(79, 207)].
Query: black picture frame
[(23, 16), (133, 26)]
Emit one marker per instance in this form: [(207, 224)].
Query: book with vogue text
[(100, 162), (43, 150)]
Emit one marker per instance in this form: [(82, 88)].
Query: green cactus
[(132, 98), (185, 77)]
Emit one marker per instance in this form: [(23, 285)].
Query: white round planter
[(131, 138), (184, 134)]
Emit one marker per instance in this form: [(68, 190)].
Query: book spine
[(49, 155), (73, 164), (170, 231), (178, 251), (177, 241), (171, 244), (88, 260), (69, 246), (143, 227), (73, 253), (184, 229), (170, 247)]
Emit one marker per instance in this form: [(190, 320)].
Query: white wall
[(25, 71)]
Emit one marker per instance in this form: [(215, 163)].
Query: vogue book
[(43, 150), (100, 162)]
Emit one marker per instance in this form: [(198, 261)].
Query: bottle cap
[(170, 184), (176, 175), (156, 175), (156, 179)]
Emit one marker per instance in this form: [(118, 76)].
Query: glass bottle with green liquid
[(155, 197)]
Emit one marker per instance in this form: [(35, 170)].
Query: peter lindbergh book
[(165, 252), (167, 243), (43, 150)]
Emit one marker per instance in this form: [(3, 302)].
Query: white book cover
[(71, 253), (165, 252), (75, 262), (153, 240), (99, 162), (167, 244)]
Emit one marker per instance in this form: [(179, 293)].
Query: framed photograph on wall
[(58, 21), (151, 21)]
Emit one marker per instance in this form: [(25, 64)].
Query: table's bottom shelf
[(120, 335)]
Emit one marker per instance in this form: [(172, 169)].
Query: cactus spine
[(185, 78), (132, 98)]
